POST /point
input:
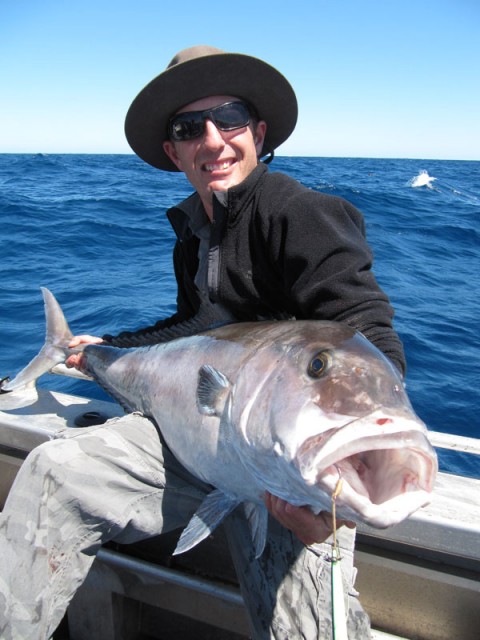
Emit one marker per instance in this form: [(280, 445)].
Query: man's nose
[(212, 136)]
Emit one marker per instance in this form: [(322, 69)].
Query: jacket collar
[(239, 195), (189, 216)]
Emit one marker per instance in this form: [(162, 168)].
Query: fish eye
[(319, 364)]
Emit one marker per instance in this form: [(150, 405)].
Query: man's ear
[(169, 148), (259, 136)]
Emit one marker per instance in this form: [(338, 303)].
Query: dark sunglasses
[(191, 124)]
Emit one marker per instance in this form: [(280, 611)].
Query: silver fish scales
[(287, 407)]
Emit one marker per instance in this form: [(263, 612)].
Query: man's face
[(217, 160)]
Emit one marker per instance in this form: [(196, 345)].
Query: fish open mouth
[(387, 465)]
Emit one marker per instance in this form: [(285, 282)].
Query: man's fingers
[(308, 527), (84, 339)]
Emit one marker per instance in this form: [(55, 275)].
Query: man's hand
[(76, 359), (308, 527)]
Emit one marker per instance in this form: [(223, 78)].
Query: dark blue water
[(92, 229)]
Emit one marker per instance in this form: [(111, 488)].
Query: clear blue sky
[(374, 78)]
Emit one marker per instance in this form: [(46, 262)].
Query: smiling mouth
[(218, 166)]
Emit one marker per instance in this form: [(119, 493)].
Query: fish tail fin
[(57, 337)]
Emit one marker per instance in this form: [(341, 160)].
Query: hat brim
[(230, 74)]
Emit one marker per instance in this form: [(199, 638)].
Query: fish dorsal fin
[(212, 391), (257, 518), (216, 506)]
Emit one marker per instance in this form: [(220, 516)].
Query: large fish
[(288, 407)]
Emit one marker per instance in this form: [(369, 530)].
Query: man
[(258, 244)]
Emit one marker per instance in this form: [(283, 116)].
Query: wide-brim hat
[(199, 72)]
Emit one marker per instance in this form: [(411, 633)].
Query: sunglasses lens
[(186, 126), (231, 116), (226, 117)]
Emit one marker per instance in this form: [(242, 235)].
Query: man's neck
[(208, 206)]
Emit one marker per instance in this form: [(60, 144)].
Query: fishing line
[(339, 616)]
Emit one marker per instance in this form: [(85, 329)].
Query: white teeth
[(217, 167)]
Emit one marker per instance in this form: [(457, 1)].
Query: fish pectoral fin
[(257, 518), (212, 391), (216, 506)]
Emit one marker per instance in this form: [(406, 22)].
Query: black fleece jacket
[(277, 248)]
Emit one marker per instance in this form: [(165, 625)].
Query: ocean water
[(92, 229)]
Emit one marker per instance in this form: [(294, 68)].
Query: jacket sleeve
[(318, 244), (185, 264)]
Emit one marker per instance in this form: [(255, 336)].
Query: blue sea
[(92, 228)]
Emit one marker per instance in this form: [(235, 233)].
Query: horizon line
[(339, 157)]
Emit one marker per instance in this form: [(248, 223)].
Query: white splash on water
[(422, 180)]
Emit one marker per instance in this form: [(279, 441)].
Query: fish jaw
[(386, 462)]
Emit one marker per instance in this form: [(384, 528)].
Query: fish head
[(331, 406)]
